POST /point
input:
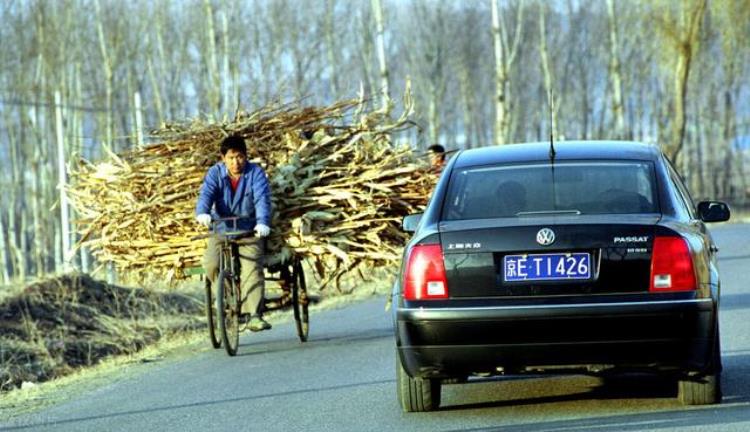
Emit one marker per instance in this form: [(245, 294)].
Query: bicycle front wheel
[(229, 311)]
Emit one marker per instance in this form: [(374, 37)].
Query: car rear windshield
[(536, 189)]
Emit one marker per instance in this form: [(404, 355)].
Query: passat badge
[(545, 237)]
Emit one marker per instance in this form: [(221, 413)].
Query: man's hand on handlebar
[(204, 219), (262, 230)]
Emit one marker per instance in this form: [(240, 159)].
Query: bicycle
[(227, 306)]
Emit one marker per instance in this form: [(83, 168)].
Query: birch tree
[(683, 33), (213, 87), (330, 34), (107, 67), (505, 55), (614, 73), (385, 95)]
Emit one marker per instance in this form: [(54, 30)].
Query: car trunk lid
[(589, 254)]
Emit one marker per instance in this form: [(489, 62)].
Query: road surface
[(343, 379)]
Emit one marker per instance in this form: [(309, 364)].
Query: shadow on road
[(672, 420), (251, 348), (631, 386), (734, 409), (317, 390)]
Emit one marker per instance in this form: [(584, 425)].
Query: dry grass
[(56, 326)]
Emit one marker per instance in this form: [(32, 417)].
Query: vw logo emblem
[(545, 237)]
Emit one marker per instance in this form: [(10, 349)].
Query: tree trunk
[(213, 73), (37, 118), (467, 96), (62, 184), (585, 104), (365, 54), (614, 70), (163, 105), (331, 48), (685, 50), (108, 74), (156, 91), (385, 94), (228, 104), (18, 260), (36, 212), (504, 58), (501, 121), (4, 253)]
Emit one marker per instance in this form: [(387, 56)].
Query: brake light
[(424, 278), (671, 265)]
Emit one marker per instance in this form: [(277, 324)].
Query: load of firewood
[(340, 189)]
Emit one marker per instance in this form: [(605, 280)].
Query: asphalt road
[(343, 380)]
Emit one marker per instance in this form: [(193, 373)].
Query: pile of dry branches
[(339, 190)]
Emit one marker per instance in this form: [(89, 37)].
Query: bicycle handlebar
[(228, 235)]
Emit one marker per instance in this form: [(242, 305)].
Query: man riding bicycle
[(236, 187)]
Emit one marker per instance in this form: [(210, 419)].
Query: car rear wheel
[(703, 390), (416, 394)]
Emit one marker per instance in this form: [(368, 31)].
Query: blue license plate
[(553, 266)]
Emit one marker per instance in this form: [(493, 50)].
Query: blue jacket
[(252, 198)]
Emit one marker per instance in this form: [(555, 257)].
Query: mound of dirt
[(57, 325)]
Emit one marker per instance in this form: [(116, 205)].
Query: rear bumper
[(661, 335)]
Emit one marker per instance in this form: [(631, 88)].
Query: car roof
[(564, 150)]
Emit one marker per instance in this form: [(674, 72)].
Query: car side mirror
[(713, 211), (410, 223)]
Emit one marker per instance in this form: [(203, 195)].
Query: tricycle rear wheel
[(300, 300)]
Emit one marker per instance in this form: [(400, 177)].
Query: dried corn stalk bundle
[(339, 191)]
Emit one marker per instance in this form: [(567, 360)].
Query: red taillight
[(671, 265), (424, 278)]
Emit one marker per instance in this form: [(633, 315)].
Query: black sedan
[(577, 257)]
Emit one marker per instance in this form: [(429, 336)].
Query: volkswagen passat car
[(581, 257)]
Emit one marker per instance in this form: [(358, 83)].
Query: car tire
[(703, 390), (416, 394)]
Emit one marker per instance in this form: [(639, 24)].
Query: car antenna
[(550, 103), (552, 152)]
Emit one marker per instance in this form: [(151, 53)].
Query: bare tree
[(3, 253), (330, 32), (468, 67), (385, 97), (212, 90), (428, 54), (504, 58), (107, 66), (614, 72), (683, 34)]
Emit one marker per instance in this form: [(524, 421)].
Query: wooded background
[(669, 72)]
